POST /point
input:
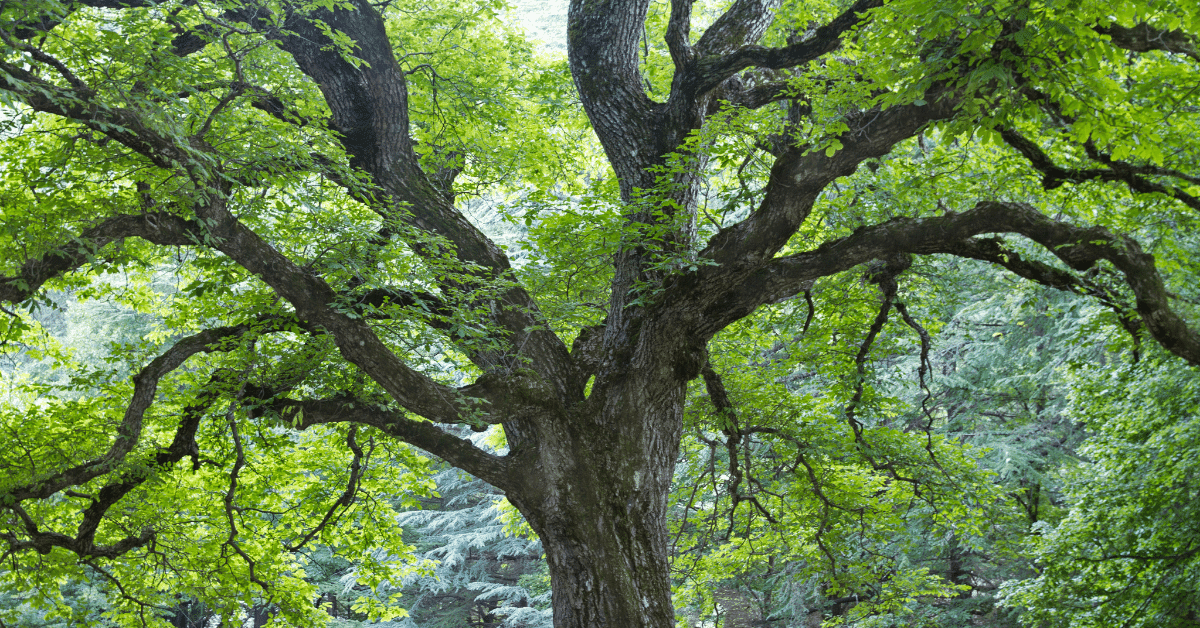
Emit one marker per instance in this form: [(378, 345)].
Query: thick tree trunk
[(609, 567), (596, 487)]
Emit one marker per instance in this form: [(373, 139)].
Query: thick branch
[(710, 71), (315, 302), (385, 127), (370, 110), (459, 452), (1079, 247), (602, 47), (679, 28), (1144, 38), (797, 178), (741, 25), (159, 228)]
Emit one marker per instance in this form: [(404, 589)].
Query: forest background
[(1031, 452)]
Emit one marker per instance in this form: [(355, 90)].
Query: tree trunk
[(609, 568), (596, 488)]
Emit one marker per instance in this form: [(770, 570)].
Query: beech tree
[(284, 187)]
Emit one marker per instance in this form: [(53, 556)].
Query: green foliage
[(484, 573), (251, 542), (1125, 554), (855, 473), (825, 502)]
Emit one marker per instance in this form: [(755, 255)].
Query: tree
[(1126, 551), (300, 170)]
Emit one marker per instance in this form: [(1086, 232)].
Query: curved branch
[(1079, 247), (1055, 175), (130, 429), (158, 227), (230, 504), (710, 71), (679, 28), (314, 300), (44, 542), (996, 251), (183, 445), (347, 496), (798, 177), (719, 397), (370, 110), (124, 125), (369, 103), (742, 24), (495, 470)]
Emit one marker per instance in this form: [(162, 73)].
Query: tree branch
[(157, 227), (996, 251), (347, 496), (1079, 247), (495, 470), (727, 414), (798, 177), (45, 542), (370, 110), (742, 24), (679, 28), (710, 71), (124, 125), (1129, 174), (130, 429), (1143, 37)]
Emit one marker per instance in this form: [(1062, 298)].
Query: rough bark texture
[(591, 474)]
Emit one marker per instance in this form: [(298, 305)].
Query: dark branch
[(456, 451), (159, 228), (369, 103), (711, 71), (313, 298), (230, 501), (346, 498), (996, 251), (742, 24), (679, 29), (1054, 175), (125, 126), (798, 177), (44, 542), (727, 416), (1079, 247), (1144, 38), (130, 429)]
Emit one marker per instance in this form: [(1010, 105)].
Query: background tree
[(301, 172)]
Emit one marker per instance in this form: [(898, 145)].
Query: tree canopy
[(869, 312)]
